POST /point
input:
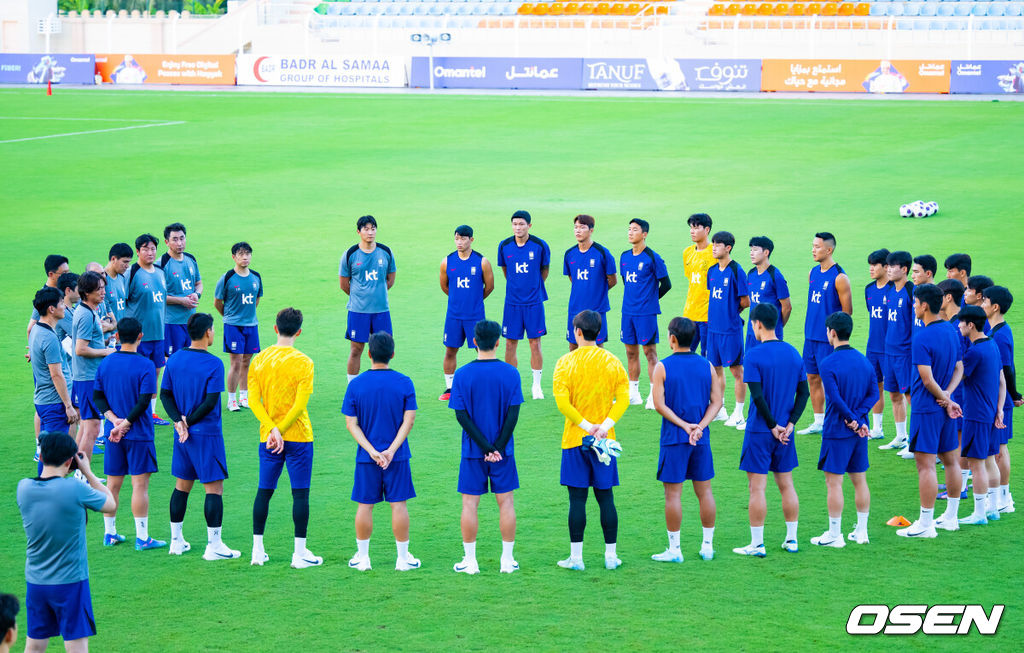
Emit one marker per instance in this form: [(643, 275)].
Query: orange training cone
[(899, 521), (49, 87)]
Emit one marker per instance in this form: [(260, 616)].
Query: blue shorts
[(1005, 435), (298, 456), (241, 339), (52, 418), (898, 372), (81, 397), (814, 352), (843, 455), (373, 484), (932, 432), (639, 330), (725, 349), (201, 457), (976, 440), (582, 469), (361, 326), (602, 335), (175, 338), (877, 361), (154, 351), (678, 463), (700, 338), (130, 457), (59, 610), (457, 332), (517, 320), (474, 473), (762, 453)]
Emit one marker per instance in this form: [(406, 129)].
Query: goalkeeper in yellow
[(280, 382), (592, 391)]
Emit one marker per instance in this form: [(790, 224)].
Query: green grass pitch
[(290, 173)]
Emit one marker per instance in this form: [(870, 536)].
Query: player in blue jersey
[(89, 350), (936, 355), (687, 394), (51, 396), (923, 270), (184, 287), (145, 300), (486, 397), (524, 260), (727, 288), (828, 291), (236, 297), (850, 391), (366, 274), (958, 266), (874, 299), (591, 271), (644, 282), (996, 303), (379, 409), (467, 279), (765, 283), (984, 395), (974, 291), (899, 329), (190, 394), (952, 296), (125, 384), (778, 395), (54, 265)]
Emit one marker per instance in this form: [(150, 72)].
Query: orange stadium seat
[(846, 9), (571, 9), (716, 10), (765, 9), (618, 9), (632, 9), (813, 9), (749, 9), (556, 9), (540, 9), (733, 9), (830, 9), (781, 9), (797, 9), (601, 9), (586, 9), (524, 9), (862, 9)]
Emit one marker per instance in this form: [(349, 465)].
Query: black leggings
[(578, 514), (300, 510)]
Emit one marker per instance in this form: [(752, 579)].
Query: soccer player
[(958, 266), (923, 270), (974, 291), (184, 287), (984, 393), (778, 394), (191, 396), (766, 284), (366, 274), (874, 298), (850, 392), (592, 392), (996, 304), (9, 607), (936, 355), (57, 600), (644, 282), (118, 261), (952, 296), (89, 351), (828, 291), (529, 258), (591, 271), (236, 297), (379, 409), (54, 265), (51, 396), (900, 316), (67, 284), (729, 297), (697, 260), (473, 282), (486, 397), (125, 384), (687, 394), (281, 380), (145, 300)]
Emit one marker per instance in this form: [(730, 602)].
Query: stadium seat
[(845, 9), (733, 9), (913, 8), (829, 9), (525, 9), (601, 9), (797, 9), (633, 8), (897, 8), (813, 9), (556, 9), (877, 9), (717, 9), (1014, 9), (781, 9), (929, 9), (540, 9), (962, 9), (617, 9), (997, 9), (862, 9), (765, 9), (945, 9), (979, 9), (749, 9)]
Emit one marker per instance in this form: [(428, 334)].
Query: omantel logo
[(935, 620)]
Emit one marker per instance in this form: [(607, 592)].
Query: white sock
[(634, 387), (673, 540), (403, 549), (609, 550), (964, 473), (993, 501), (980, 499), (876, 421), (756, 535), (142, 528), (152, 406), (363, 548), (952, 506), (448, 380), (791, 530), (576, 550), (469, 550), (300, 546), (862, 522), (926, 516), (232, 396), (213, 536), (506, 549), (738, 411), (709, 536), (257, 542), (350, 377), (819, 419), (901, 430), (243, 395), (536, 377), (176, 531), (835, 526), (1004, 492), (109, 525)]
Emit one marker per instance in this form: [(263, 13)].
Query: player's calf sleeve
[(300, 511), (179, 503), (577, 513), (609, 516), (260, 510), (214, 510)]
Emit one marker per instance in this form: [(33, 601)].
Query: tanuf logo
[(935, 620)]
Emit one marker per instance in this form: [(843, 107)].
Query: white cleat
[(741, 424), (360, 563), (259, 558), (220, 552), (948, 523), (917, 530), (858, 538), (707, 554), (733, 419), (895, 443), (790, 546), (829, 540), (612, 562), (974, 520), (751, 550), (722, 415), (407, 563), (306, 559), (813, 428), (668, 555), (575, 564), (243, 402), (465, 566), (635, 399), (1007, 507), (538, 393), (509, 566), (233, 405), (178, 547), (876, 435), (906, 454), (650, 402)]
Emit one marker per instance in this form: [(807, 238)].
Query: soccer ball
[(920, 210), (906, 211), (932, 207)]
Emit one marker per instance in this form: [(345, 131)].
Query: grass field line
[(79, 119), (93, 131)]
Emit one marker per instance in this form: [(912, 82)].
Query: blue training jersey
[(190, 375), (122, 377), (874, 299), (934, 345), (899, 307), (965, 343), (850, 391), (588, 278), (485, 389), (465, 286), (725, 288), (640, 275), (688, 382), (1004, 340), (524, 285), (982, 366), (822, 301), (779, 368), (146, 300), (378, 399), (768, 287)]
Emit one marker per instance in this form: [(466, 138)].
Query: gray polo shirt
[(367, 274), (45, 350), (86, 326)]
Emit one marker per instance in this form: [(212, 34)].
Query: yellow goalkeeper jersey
[(280, 383), (590, 384), (695, 267)]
